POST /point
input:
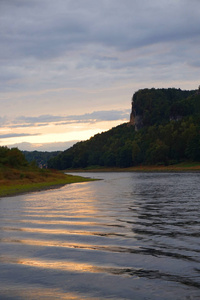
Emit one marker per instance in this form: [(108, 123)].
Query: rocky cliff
[(136, 120), (157, 106)]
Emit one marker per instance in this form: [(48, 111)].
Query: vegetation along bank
[(18, 176), (164, 129), (163, 135)]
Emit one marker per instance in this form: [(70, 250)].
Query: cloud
[(51, 39), (32, 121), (3, 121), (14, 135), (55, 128), (47, 29), (75, 61), (96, 116)]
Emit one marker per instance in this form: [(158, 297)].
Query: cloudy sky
[(69, 68)]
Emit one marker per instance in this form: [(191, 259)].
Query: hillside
[(164, 129)]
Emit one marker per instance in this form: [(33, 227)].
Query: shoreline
[(55, 180), (182, 167), (20, 187), (33, 189)]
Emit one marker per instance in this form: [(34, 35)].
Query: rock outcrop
[(136, 119), (158, 106)]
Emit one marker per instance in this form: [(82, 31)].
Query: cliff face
[(136, 120), (157, 106)]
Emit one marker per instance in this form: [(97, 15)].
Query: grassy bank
[(18, 181), (181, 167)]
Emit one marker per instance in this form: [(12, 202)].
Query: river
[(127, 236)]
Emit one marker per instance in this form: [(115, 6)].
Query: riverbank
[(14, 182), (181, 167)]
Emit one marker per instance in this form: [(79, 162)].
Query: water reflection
[(41, 293), (129, 236), (85, 267)]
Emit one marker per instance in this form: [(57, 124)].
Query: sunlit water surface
[(128, 236)]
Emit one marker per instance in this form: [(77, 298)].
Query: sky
[(69, 68)]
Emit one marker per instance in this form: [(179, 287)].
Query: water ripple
[(130, 236)]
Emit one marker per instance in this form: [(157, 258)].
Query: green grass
[(13, 181)]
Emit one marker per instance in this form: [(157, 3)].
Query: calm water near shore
[(128, 236)]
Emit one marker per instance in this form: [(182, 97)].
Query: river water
[(128, 236)]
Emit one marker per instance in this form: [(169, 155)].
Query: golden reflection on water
[(54, 265), (82, 202), (93, 265), (50, 231), (60, 244), (56, 215), (65, 215), (72, 245), (41, 293), (68, 266), (59, 265), (46, 243), (71, 222)]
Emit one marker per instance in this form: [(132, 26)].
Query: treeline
[(167, 139), (12, 158), (105, 149), (15, 158), (40, 158)]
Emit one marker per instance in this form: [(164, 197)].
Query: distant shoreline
[(182, 167)]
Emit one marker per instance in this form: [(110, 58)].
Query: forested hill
[(164, 129), (157, 106)]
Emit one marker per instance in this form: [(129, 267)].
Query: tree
[(136, 153), (158, 153), (124, 157), (16, 158)]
